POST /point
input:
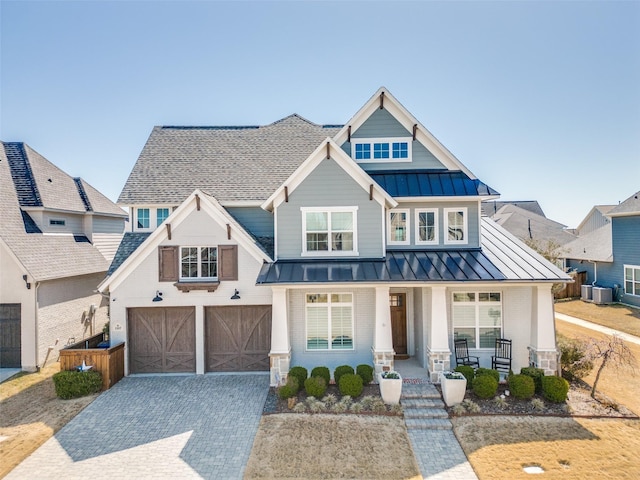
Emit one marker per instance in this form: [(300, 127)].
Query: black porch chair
[(462, 354), (501, 360)]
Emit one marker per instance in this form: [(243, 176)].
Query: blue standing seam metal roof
[(397, 266), (430, 183)]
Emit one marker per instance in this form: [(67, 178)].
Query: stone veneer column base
[(438, 362), (383, 361), (279, 368), (547, 360)]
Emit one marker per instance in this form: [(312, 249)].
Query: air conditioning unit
[(586, 292), (602, 295)]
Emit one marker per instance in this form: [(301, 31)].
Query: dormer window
[(381, 149)]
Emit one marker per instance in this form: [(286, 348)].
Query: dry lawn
[(30, 413), (618, 317), (304, 446)]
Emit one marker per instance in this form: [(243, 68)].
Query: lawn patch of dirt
[(331, 446)]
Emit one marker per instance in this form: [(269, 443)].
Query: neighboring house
[(57, 237), (610, 253), (260, 248), (491, 207), (595, 219)]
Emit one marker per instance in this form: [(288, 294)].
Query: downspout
[(595, 273), (35, 318)]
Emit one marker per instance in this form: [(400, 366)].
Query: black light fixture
[(158, 297), (24, 277), (236, 295)]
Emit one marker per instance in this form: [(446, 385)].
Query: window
[(384, 149), (455, 225), (57, 223), (427, 226), (632, 280), (331, 230), (143, 218), (329, 321), (161, 215), (398, 227), (198, 262), (477, 316)]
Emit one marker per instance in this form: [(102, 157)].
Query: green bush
[(72, 384), (342, 370), (522, 386), (488, 371), (536, 374), (315, 387), (300, 373), (322, 372), (555, 388), (485, 386), (572, 358), (366, 373), (350, 384), (289, 389), (467, 371)]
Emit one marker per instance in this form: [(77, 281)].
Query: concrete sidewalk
[(598, 328)]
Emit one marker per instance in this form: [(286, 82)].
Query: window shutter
[(168, 264), (227, 262)]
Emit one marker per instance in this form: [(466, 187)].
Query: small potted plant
[(454, 386), (390, 387)]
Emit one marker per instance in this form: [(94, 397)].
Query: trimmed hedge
[(342, 370), (72, 384), (485, 386), (366, 373), (350, 384), (315, 387), (522, 386), (468, 373), (323, 372), (289, 389), (555, 389), (536, 374), (300, 373), (488, 371)]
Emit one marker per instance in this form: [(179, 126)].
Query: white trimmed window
[(426, 226), (477, 317), (329, 320), (381, 149), (161, 215), (198, 263), (398, 226), (455, 225), (329, 231), (142, 218), (632, 280), (56, 223)]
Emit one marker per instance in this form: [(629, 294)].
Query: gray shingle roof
[(630, 206), (229, 163), (527, 225), (596, 245), (129, 243), (491, 207)]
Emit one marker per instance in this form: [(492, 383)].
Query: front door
[(398, 302)]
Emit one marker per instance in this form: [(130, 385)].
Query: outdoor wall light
[(24, 277), (158, 297), (236, 295)]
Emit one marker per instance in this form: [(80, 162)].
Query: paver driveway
[(157, 427)]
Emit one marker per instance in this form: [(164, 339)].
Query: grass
[(616, 316)]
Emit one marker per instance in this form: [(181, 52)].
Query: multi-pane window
[(455, 225), (381, 149), (329, 319), (477, 316), (400, 150), (363, 151), (161, 215), (398, 226), (632, 280), (330, 230), (426, 226), (198, 262), (142, 218)]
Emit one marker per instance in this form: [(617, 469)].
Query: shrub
[(315, 386), (342, 370), (536, 374), (366, 373), (467, 371), (555, 389), (573, 358), (300, 373), (289, 389), (322, 372), (522, 386), (350, 384), (488, 371), (485, 386), (71, 384)]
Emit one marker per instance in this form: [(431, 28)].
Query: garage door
[(162, 340), (238, 338), (10, 335)]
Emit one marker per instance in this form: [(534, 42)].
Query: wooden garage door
[(238, 338), (162, 340), (10, 342)]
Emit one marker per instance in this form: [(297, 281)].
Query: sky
[(540, 100)]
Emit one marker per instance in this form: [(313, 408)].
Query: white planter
[(453, 390), (390, 389)]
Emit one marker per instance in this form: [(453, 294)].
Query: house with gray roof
[(58, 236), (263, 247)]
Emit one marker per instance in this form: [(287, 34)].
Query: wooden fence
[(572, 290)]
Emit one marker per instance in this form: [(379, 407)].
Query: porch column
[(438, 352), (542, 351), (280, 354), (382, 341)]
